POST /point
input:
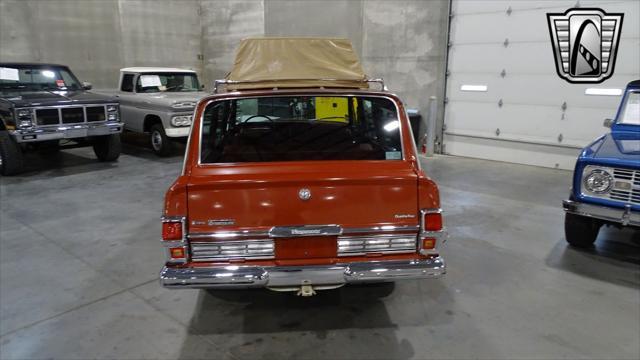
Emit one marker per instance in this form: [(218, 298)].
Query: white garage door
[(527, 114)]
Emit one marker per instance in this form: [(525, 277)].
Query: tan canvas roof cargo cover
[(296, 62)]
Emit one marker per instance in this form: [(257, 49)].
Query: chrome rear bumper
[(294, 276), (623, 216)]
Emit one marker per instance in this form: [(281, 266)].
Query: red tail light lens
[(433, 221), (172, 231)]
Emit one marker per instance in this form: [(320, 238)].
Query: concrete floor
[(79, 257)]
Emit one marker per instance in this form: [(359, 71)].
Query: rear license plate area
[(306, 247)]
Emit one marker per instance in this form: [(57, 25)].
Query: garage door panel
[(526, 104), (529, 58), (475, 8), (519, 26), (522, 153), (526, 123), (538, 90)]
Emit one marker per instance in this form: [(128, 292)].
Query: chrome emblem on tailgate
[(304, 194), (305, 230)]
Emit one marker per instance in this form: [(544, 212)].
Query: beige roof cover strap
[(296, 62)]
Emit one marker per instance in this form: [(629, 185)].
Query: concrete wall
[(401, 41)]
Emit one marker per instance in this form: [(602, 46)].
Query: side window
[(127, 83), (214, 127)]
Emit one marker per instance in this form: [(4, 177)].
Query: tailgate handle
[(305, 230)]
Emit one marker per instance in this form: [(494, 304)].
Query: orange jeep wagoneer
[(298, 177)]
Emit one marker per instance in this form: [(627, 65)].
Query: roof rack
[(217, 85)]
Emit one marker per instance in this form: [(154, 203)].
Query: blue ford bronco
[(606, 179)]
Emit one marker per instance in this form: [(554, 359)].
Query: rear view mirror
[(86, 85), (608, 123)]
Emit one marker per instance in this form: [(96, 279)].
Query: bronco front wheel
[(581, 231)]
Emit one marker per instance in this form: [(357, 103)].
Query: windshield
[(298, 128), (630, 114), (35, 78), (167, 82)]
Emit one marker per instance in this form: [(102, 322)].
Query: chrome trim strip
[(624, 216), (381, 228), (265, 233), (231, 276), (305, 230)]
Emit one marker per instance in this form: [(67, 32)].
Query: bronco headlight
[(181, 120), (597, 180)]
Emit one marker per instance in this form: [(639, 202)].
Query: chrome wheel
[(156, 140)]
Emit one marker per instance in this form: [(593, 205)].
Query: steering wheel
[(257, 116)]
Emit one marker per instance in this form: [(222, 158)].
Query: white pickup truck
[(160, 102)]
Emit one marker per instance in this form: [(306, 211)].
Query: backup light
[(177, 253), (428, 243)]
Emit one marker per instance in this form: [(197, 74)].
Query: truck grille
[(243, 249), (360, 245), (70, 115), (629, 193)]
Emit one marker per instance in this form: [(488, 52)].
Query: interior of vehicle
[(300, 128)]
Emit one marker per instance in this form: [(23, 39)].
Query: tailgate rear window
[(298, 128)]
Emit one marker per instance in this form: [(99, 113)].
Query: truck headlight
[(23, 118), (181, 120), (112, 112), (597, 180), (23, 113)]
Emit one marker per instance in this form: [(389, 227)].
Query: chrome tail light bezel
[(439, 236), (172, 244)]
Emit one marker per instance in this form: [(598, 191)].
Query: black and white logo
[(585, 44)]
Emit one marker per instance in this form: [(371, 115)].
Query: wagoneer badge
[(304, 194)]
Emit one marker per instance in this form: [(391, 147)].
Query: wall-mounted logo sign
[(585, 44)]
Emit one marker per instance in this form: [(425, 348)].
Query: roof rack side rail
[(217, 84)]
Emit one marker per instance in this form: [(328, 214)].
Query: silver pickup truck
[(160, 102)]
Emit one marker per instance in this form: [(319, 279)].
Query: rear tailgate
[(345, 193)]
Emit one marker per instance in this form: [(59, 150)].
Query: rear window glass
[(299, 128)]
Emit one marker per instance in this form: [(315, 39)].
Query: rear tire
[(11, 158), (107, 148), (581, 231), (161, 144)]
